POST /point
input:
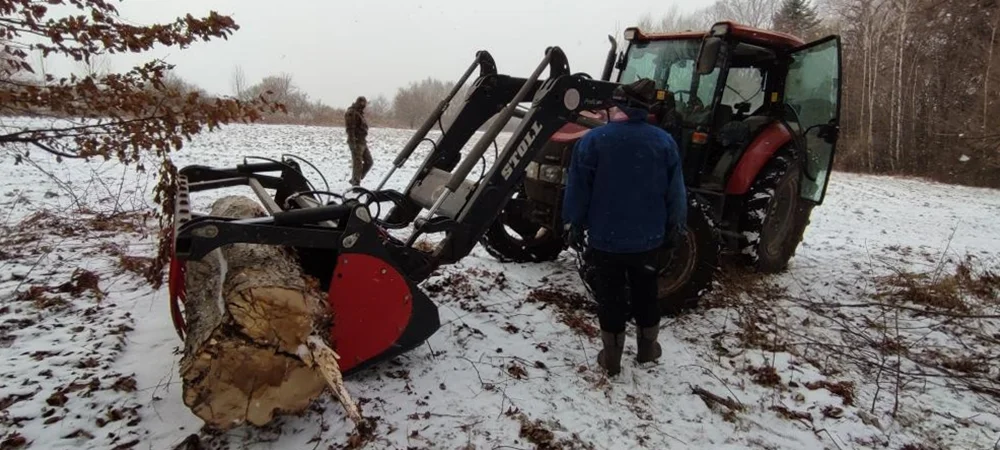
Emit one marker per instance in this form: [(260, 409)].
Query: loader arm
[(371, 276), (463, 209), (557, 102)]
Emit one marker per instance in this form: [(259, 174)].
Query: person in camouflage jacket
[(357, 140)]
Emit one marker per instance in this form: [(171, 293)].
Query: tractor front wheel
[(512, 237), (688, 274), (776, 217)]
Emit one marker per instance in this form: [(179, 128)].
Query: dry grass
[(573, 308), (138, 265), (765, 376), (842, 389), (755, 298), (971, 282), (539, 434)]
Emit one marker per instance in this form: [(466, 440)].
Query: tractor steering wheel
[(693, 103), (681, 92)]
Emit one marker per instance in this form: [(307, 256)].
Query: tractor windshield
[(671, 64)]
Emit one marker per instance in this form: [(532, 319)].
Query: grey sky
[(337, 50)]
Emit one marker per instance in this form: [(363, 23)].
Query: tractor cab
[(733, 84)]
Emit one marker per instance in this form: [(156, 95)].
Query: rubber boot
[(610, 358), (649, 348)]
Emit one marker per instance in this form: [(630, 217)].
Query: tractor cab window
[(744, 90), (671, 64)]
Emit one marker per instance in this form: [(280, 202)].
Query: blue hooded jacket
[(626, 186)]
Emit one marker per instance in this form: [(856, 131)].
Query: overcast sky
[(337, 50)]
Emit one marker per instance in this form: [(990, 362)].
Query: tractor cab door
[(812, 104)]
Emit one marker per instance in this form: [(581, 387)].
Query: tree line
[(408, 107)]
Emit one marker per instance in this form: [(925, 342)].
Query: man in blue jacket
[(626, 190)]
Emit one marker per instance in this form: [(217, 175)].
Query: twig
[(478, 375), (325, 359), (944, 255), (710, 398), (724, 384), (899, 365), (13, 206), (65, 187), (824, 430), (815, 304)]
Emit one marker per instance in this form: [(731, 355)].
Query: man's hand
[(574, 236), (675, 236)]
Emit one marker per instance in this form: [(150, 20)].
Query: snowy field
[(850, 348)]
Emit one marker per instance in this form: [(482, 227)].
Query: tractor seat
[(723, 116), (755, 123), (734, 134)]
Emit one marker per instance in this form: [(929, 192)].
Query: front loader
[(755, 114), (371, 276)]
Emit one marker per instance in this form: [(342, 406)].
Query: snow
[(502, 357)]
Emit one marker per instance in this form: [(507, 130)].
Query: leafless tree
[(238, 82)]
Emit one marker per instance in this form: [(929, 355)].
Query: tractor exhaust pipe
[(609, 63), (487, 67), (459, 175)]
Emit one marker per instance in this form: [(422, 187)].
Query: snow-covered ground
[(823, 356)]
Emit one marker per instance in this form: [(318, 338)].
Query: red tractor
[(755, 114), (756, 118)]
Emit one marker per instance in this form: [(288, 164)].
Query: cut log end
[(250, 352)]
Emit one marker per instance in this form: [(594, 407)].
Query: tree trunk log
[(250, 313)]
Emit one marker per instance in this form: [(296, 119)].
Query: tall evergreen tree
[(796, 17)]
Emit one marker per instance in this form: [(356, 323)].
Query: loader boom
[(555, 102), (369, 275)]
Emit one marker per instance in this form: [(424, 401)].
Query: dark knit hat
[(641, 93)]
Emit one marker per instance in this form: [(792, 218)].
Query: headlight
[(552, 174), (549, 173), (532, 170)]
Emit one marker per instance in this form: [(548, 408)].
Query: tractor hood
[(572, 131)]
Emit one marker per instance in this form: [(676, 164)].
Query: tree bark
[(251, 314)]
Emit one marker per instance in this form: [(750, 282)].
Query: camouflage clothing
[(357, 134)]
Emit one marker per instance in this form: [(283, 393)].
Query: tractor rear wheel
[(776, 217), (690, 271), (512, 237)]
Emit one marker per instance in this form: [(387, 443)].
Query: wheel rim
[(519, 229), (778, 219), (676, 275)]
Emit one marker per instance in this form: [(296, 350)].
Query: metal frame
[(320, 233)]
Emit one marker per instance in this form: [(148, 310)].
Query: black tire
[(775, 217), (690, 272), (513, 238)]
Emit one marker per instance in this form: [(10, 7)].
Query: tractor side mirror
[(708, 55), (620, 64), (829, 132)]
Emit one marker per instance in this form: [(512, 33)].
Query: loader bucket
[(377, 310)]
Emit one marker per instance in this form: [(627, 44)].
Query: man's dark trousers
[(612, 272)]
